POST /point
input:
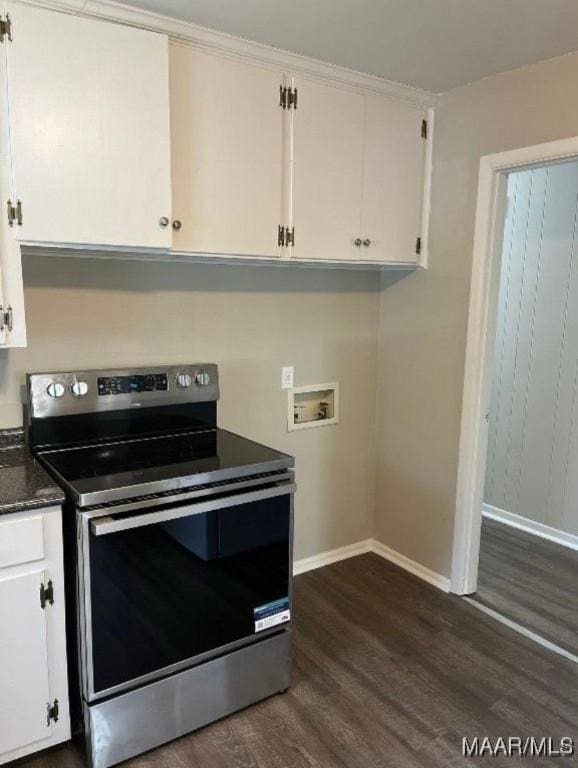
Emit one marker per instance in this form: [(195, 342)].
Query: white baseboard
[(530, 526), (371, 545), (331, 556), (439, 581)]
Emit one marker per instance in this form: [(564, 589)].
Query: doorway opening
[(516, 536)]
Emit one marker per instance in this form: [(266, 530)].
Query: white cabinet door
[(89, 120), (327, 172), (24, 688), (12, 318), (393, 180), (33, 668), (227, 154)]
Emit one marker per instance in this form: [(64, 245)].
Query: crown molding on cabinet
[(228, 45)]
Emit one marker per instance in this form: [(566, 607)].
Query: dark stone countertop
[(24, 484)]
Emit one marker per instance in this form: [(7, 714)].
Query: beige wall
[(423, 318), (251, 321)]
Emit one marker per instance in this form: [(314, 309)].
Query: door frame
[(481, 331)]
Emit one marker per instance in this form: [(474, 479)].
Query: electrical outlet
[(287, 373)]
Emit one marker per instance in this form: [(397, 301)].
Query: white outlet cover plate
[(287, 376)]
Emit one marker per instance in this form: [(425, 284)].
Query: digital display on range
[(126, 385)]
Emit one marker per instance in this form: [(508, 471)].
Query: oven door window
[(165, 593)]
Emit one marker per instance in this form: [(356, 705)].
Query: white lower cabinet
[(33, 671)]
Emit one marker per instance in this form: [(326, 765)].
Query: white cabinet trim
[(427, 177), (228, 45), (157, 254)]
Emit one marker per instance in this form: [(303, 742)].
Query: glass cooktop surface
[(186, 459)]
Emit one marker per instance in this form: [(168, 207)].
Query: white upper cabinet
[(393, 180), (227, 155), (89, 127), (327, 172), (118, 140), (12, 318), (358, 166)]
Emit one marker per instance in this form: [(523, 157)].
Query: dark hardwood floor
[(388, 673), (530, 580)]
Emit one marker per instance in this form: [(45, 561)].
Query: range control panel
[(125, 385), (56, 394)]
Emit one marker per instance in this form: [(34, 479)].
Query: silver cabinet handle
[(177, 224), (367, 242), (109, 524), (357, 242), (164, 222)]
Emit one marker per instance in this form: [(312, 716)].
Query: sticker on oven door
[(271, 614)]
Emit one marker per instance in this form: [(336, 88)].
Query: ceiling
[(431, 44)]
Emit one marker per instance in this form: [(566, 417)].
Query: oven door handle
[(104, 525)]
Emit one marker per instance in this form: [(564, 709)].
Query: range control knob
[(184, 380), (202, 378), (55, 389), (79, 388)]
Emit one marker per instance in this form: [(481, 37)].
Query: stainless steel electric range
[(178, 546)]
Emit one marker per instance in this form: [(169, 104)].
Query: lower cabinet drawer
[(21, 540)]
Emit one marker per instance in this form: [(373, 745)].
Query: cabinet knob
[(177, 224), (357, 242), (164, 222), (367, 242)]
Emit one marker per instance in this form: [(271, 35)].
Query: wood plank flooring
[(388, 673), (530, 580)]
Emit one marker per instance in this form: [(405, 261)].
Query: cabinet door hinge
[(46, 594), (292, 98), (424, 129), (52, 712), (6, 318), (5, 28), (285, 236), (418, 246), (287, 97), (14, 212)]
